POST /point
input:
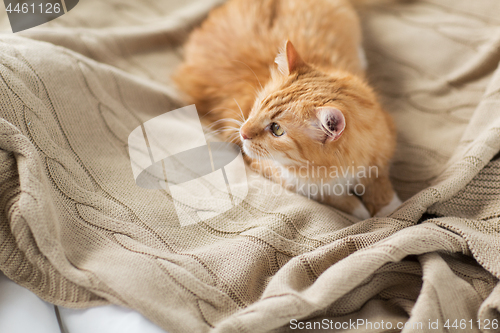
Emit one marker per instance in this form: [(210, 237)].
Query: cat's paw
[(387, 210), (361, 212)]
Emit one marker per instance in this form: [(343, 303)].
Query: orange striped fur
[(230, 73)]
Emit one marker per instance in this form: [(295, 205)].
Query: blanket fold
[(77, 230)]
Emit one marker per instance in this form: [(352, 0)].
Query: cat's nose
[(245, 135)]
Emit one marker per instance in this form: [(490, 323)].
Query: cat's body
[(311, 111)]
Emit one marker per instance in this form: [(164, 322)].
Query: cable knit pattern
[(76, 230)]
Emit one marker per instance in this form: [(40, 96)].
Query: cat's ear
[(331, 121), (289, 60)]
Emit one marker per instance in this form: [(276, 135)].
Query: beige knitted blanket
[(77, 230)]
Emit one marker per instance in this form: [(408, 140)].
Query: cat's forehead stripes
[(277, 113), (306, 92), (276, 108), (276, 99)]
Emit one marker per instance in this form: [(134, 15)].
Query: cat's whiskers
[(251, 71), (231, 120), (232, 125), (263, 153), (234, 138), (214, 109), (224, 129), (239, 107), (223, 108), (236, 79), (228, 127)]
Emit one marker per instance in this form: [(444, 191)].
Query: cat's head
[(306, 114)]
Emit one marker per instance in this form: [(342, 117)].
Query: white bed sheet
[(21, 311)]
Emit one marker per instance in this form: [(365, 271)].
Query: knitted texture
[(76, 229)]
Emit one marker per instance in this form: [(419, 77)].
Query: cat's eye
[(277, 129)]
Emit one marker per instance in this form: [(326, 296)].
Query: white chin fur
[(361, 212), (387, 210), (247, 150)]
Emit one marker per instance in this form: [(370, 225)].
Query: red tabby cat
[(307, 107)]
